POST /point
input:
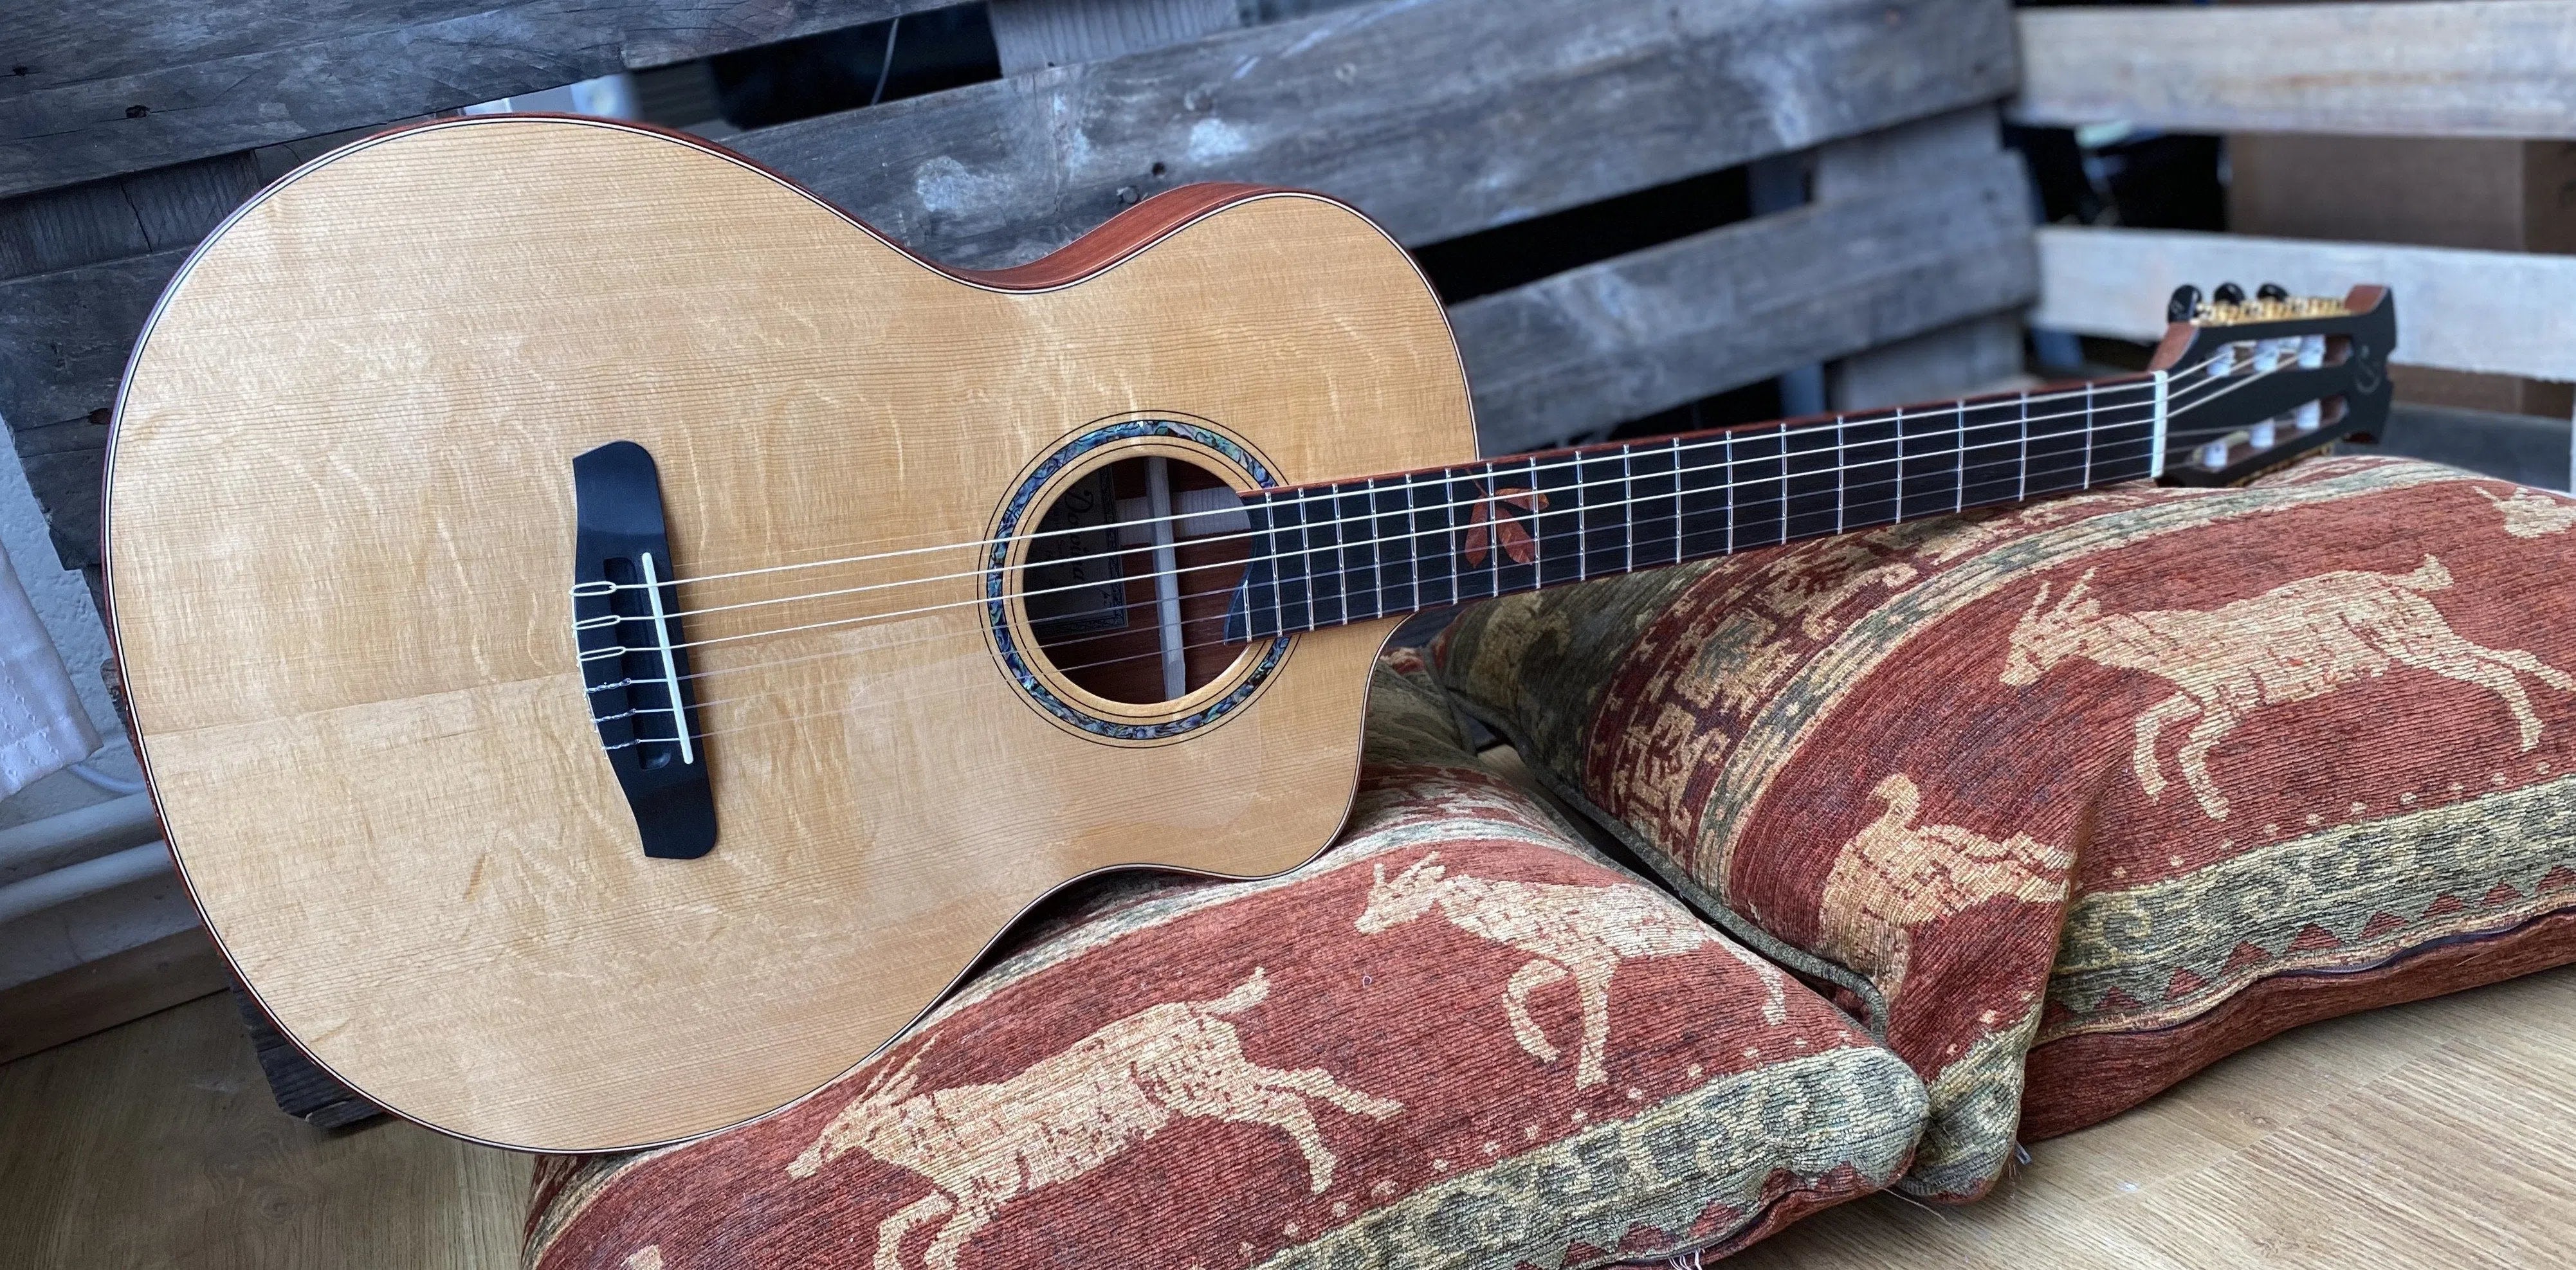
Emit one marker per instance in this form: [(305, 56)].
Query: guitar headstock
[(2258, 382)]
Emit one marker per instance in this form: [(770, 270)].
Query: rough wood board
[(155, 1145), (1638, 333), (2501, 312), (2484, 68), (1436, 117), (1032, 34), (211, 79), (111, 990)]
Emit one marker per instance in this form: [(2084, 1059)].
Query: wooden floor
[(2441, 1134)]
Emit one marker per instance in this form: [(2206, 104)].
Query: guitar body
[(341, 529)]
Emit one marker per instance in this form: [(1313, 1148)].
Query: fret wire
[(1377, 566), (1628, 495), (1677, 495), (1270, 560), (1780, 433), (1538, 556), (1959, 495), (1900, 462), (2022, 489), (2088, 426), (1413, 539), (1726, 517), (1843, 444), (2020, 480)]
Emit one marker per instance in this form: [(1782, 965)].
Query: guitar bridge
[(634, 659)]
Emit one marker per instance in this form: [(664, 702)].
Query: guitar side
[(340, 531)]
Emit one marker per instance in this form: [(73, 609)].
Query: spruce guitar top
[(613, 638)]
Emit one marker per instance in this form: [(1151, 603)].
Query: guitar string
[(960, 689), (619, 650), (1375, 566), (1158, 653), (1956, 406), (612, 619)]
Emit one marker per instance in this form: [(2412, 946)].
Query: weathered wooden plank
[(1032, 35), (1437, 117), (2492, 68), (123, 216), (2501, 312), (126, 85), (1979, 353), (1653, 329), (64, 335)]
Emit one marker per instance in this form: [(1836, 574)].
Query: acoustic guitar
[(612, 638)]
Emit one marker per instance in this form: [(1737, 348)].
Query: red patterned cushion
[(2113, 784), (1458, 1039)]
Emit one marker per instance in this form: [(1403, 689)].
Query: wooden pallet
[(2472, 69), (1896, 243)]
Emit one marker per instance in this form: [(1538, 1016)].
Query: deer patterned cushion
[(1457, 1039), (2076, 797)]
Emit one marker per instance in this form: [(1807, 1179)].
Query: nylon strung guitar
[(613, 638)]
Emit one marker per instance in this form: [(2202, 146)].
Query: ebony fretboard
[(1389, 545)]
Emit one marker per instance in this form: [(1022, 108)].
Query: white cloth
[(43, 728)]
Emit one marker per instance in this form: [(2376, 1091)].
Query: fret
[(2021, 485), (1355, 520), (1379, 546), (1990, 461), (1959, 479), (1871, 464), (1392, 551), (1900, 464), (1434, 560), (1549, 515), (1259, 601), (1583, 532), (1324, 557), (2088, 437), (2058, 437), (1929, 452), (1678, 557), (1741, 505), (1413, 542), (1469, 579), (1296, 590), (1523, 509), (1628, 507), (1810, 484)]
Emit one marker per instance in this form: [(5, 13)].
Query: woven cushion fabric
[(1456, 1039), (2099, 788)]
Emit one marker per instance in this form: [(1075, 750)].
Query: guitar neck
[(1383, 546)]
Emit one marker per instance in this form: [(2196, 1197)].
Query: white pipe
[(81, 834), (89, 877)]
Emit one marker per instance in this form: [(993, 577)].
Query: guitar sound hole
[(1110, 609)]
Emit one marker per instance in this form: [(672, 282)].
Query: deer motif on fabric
[(1895, 875), (1570, 932), (983, 1146), (2528, 513), (2292, 643)]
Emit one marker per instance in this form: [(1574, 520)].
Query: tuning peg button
[(2228, 293), (2185, 302), (2272, 291)]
